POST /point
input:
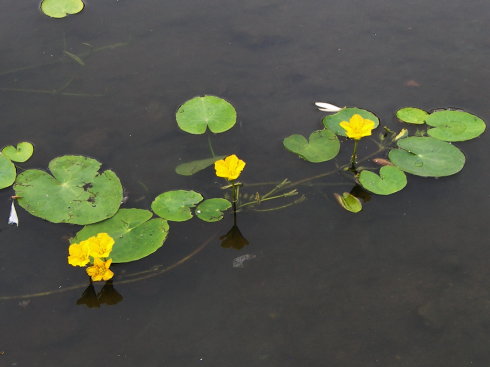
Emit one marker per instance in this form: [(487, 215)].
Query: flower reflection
[(106, 296), (233, 239), (89, 297)]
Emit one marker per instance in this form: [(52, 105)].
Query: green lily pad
[(454, 125), (323, 146), (190, 168), (175, 205), (412, 115), (7, 172), (427, 157), (349, 202), (61, 8), (76, 192), (390, 180), (199, 113), (21, 153), (332, 121), (211, 210), (135, 234)]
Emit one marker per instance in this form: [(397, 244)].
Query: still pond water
[(406, 282)]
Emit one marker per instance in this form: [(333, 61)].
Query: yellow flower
[(100, 245), (229, 168), (79, 254), (357, 127), (100, 270)]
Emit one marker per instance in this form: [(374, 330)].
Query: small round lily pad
[(332, 121), (211, 210), (136, 235), (323, 146), (76, 192), (454, 125), (390, 180), (200, 113), (21, 153), (412, 115), (61, 8), (175, 205), (7, 172), (427, 157)]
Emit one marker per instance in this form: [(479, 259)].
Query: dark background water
[(404, 283)]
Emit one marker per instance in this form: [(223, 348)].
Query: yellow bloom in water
[(100, 270), (79, 254), (100, 245), (229, 168), (357, 127)]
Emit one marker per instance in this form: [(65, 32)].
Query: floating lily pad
[(135, 234), (349, 202), (390, 180), (76, 193), (427, 157), (211, 210), (412, 115), (323, 146), (190, 168), (332, 121), (61, 8), (7, 172), (175, 205), (21, 153), (455, 125), (199, 113)]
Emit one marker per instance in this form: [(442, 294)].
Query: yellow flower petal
[(357, 127), (230, 168), (100, 245), (79, 254), (100, 270)]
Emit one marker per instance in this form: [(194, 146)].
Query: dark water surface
[(404, 283)]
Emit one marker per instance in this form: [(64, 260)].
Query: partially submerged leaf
[(454, 125), (61, 8), (349, 202), (323, 146), (211, 210), (175, 205), (136, 235), (7, 172), (21, 153), (190, 168), (332, 121), (427, 157), (199, 113), (412, 115), (76, 192), (390, 180)]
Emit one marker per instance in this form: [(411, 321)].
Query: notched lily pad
[(136, 235), (332, 121), (427, 157), (75, 193), (390, 180), (412, 115), (61, 8), (211, 210), (190, 168), (199, 113), (7, 172), (454, 125), (21, 153), (349, 202), (175, 205), (323, 146)]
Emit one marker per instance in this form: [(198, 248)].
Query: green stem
[(353, 159), (211, 146)]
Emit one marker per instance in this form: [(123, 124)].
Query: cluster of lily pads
[(77, 191), (429, 153)]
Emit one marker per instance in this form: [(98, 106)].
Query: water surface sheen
[(404, 283)]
